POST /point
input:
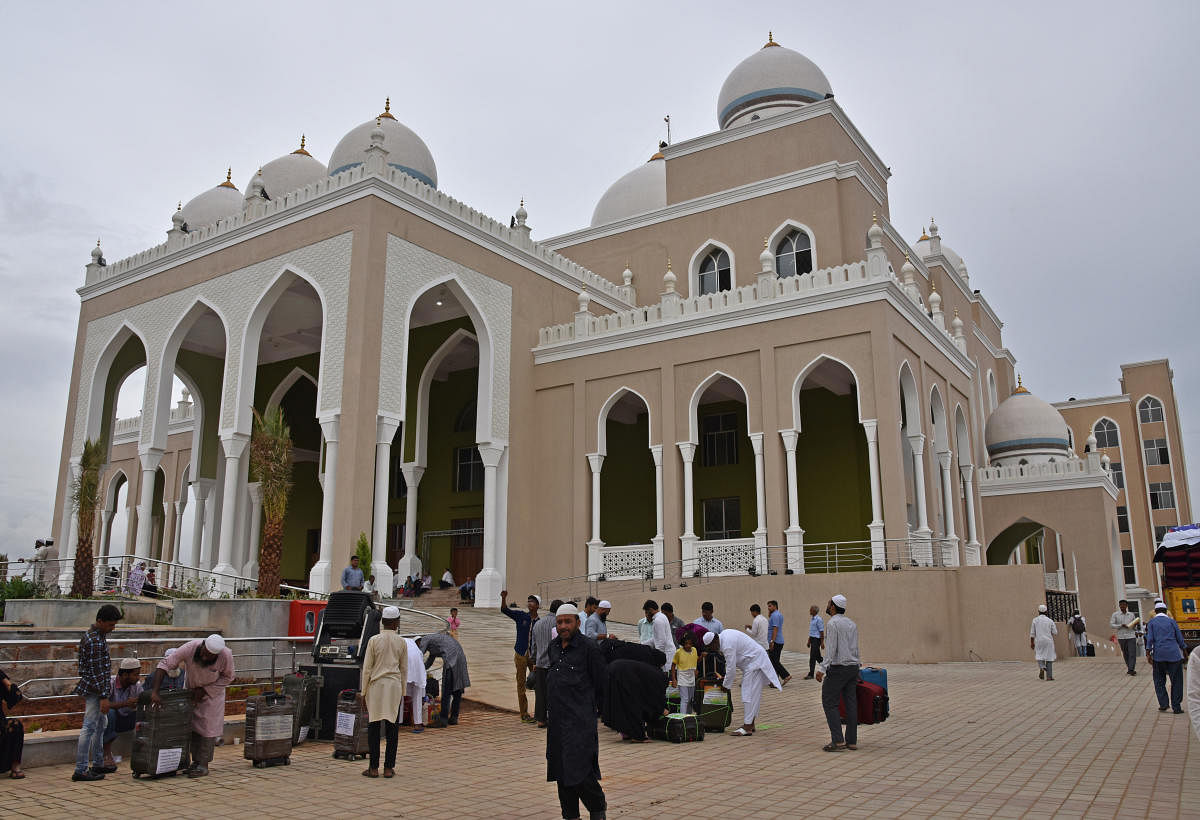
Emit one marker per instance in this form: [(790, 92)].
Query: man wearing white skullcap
[(384, 679), (596, 626), (208, 664), (126, 687), (1041, 641), (743, 652), (838, 676), (1165, 649)]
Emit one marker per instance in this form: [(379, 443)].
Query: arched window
[(1106, 434), (465, 421), (1150, 409), (793, 254), (714, 272)]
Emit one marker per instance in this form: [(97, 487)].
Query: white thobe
[(662, 639), (742, 652), (415, 689), (1043, 630), (758, 630), (1193, 690)]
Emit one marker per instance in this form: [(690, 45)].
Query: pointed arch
[(113, 488), (806, 371), (167, 368), (937, 415), (962, 437), (602, 428), (1150, 402), (705, 248), (993, 399), (911, 400), (100, 373), (1104, 428), (287, 383), (423, 387), (787, 227), (694, 401)]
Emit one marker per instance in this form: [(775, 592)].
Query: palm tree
[(271, 467), (85, 496)]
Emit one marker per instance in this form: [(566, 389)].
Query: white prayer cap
[(391, 613), (214, 643), (1041, 607), (1159, 605), (178, 670), (708, 637), (567, 609), (839, 600), (130, 663), (537, 598), (605, 605)]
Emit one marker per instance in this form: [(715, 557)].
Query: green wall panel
[(627, 500), (728, 480)]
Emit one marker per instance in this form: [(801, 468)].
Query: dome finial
[(771, 40), (1020, 386), (302, 150), (387, 110), (228, 183), (874, 217)]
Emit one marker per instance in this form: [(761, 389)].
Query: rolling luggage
[(677, 728), (673, 698), (350, 733), (305, 692), (716, 709), (269, 723), (874, 674), (162, 737), (873, 704)]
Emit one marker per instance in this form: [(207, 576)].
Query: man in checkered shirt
[(95, 685)]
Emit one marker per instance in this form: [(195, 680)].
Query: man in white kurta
[(660, 632), (209, 668), (757, 628), (1041, 641), (742, 652), (415, 690), (384, 677)]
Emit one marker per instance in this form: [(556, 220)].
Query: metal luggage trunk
[(350, 733), (269, 721), (162, 737), (305, 692)]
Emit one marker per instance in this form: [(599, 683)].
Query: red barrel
[(302, 620)]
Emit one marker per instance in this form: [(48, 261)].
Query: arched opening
[(910, 427), (712, 269), (1021, 542), (301, 533), (627, 487), (794, 254), (724, 495)]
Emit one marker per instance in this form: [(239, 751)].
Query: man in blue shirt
[(352, 576), (707, 620), (596, 625), (1164, 650), (816, 640), (775, 640), (521, 659)]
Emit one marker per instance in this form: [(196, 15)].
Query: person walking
[(1041, 641), (757, 628), (209, 667), (543, 634), (816, 640), (574, 684), (775, 641), (95, 686), (1164, 651), (522, 659), (384, 679), (1079, 638), (1125, 623), (838, 676), (660, 633)]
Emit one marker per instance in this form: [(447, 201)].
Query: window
[(1106, 434), (1156, 451), (468, 470), (715, 273), (1123, 519), (1159, 532), (793, 255), (465, 421), (1118, 474), (718, 434), (464, 540), (1150, 409), (722, 518), (1127, 565), (1162, 495)]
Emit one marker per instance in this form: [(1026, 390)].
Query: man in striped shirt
[(95, 686)]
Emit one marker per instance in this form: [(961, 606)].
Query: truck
[(1179, 554)]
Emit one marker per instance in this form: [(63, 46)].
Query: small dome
[(291, 172), (213, 205), (1025, 427), (406, 151), (921, 246), (642, 189), (770, 81)]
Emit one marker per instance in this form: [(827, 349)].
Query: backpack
[(1077, 625)]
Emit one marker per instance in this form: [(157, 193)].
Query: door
[(466, 549)]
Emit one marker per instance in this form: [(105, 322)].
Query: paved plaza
[(973, 740)]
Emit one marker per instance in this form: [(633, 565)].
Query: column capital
[(330, 426), (412, 474), (917, 442), (656, 451), (944, 459), (790, 437), (385, 430), (234, 444), (254, 488), (687, 449), (756, 441), (596, 460), (967, 471), (490, 453), (201, 487), (150, 457), (179, 507), (871, 429)]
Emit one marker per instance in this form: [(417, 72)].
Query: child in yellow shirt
[(683, 670)]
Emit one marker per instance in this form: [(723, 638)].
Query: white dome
[(770, 81), (406, 151), (1025, 427), (922, 247), (642, 189), (291, 172), (213, 205)]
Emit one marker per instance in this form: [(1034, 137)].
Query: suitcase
[(677, 728), (270, 720), (162, 737), (305, 692), (715, 709), (1090, 651), (673, 698), (350, 732), (873, 706), (874, 674)]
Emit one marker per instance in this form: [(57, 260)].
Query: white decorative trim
[(804, 373), (1043, 478), (706, 247), (602, 433), (286, 384), (1096, 402), (698, 393), (776, 236), (993, 351)]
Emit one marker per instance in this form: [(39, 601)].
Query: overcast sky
[(1055, 143)]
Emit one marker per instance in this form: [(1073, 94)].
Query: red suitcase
[(872, 704)]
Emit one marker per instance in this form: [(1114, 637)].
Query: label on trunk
[(273, 727), (168, 760), (345, 724)]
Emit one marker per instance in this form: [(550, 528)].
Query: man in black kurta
[(575, 684)]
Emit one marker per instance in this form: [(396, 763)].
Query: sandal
[(389, 772), (834, 747), (850, 747), (370, 772), (741, 732), (16, 775)]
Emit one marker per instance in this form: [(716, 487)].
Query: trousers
[(202, 749), (392, 731), (773, 653), (89, 753), (1129, 652), (589, 792), (841, 683), (451, 696), (1174, 671), (416, 694), (540, 694), (753, 683), (521, 662), (814, 653)]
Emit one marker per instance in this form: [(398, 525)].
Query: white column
[(385, 431), (409, 563), (1062, 566), (201, 545), (489, 582), (923, 535), (878, 545), (687, 541), (594, 544), (793, 535), (320, 577), (177, 553), (250, 569), (150, 458), (656, 452), (102, 542), (760, 495), (971, 557), (70, 531), (950, 545), (233, 445)]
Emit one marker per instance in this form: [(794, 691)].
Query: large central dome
[(772, 80), (406, 151)]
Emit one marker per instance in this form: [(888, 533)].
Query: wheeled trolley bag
[(269, 720), (874, 674), (873, 704), (162, 737), (716, 709), (350, 733), (677, 728), (305, 692)]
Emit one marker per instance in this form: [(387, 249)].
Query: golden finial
[(302, 150), (906, 259), (956, 313), (874, 217), (522, 202), (770, 40), (228, 183), (179, 207), (766, 242), (924, 236), (387, 110), (627, 261), (668, 258), (301, 140), (1021, 388)]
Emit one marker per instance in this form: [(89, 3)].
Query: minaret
[(376, 153)]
